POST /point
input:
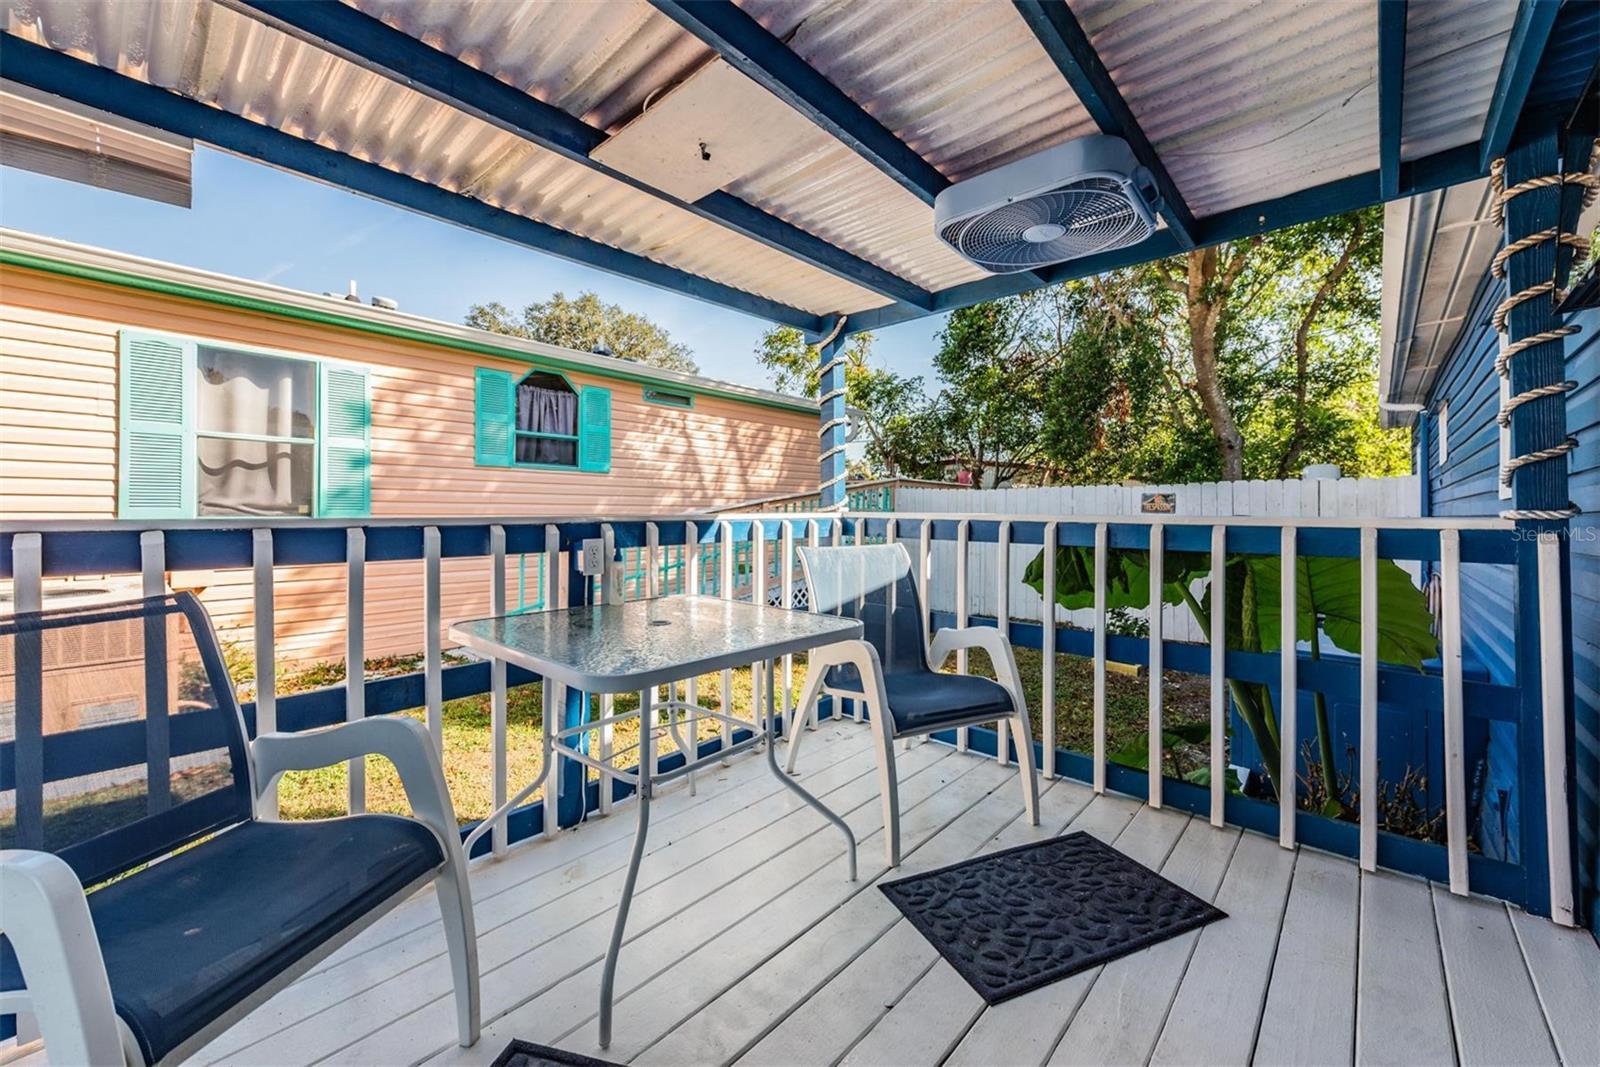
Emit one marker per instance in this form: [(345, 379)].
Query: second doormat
[(1015, 920)]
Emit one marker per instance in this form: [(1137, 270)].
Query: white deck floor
[(748, 945)]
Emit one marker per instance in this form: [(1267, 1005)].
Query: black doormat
[(1015, 920), (527, 1054)]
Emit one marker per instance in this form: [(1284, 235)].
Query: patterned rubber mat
[(1015, 920)]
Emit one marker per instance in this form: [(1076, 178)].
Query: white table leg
[(772, 762), (608, 979)]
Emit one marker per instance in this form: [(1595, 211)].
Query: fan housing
[(1084, 196)]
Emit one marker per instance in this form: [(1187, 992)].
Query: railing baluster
[(1369, 700), (355, 657), (27, 574), (499, 700), (786, 569), (1553, 713), (924, 541), (1003, 622), (1219, 672), (266, 653), (1047, 651), (432, 617), (726, 581), (813, 540), (1101, 548), (962, 532), (1455, 774), (691, 586), (157, 698), (1158, 551), (1288, 685), (758, 597), (550, 690)]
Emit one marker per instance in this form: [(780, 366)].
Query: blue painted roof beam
[(1529, 35), (1063, 38), (95, 86), (371, 44), (1391, 90), (746, 44)]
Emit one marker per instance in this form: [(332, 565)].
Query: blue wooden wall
[(1583, 422)]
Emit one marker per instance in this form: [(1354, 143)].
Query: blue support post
[(1539, 488), (830, 392)]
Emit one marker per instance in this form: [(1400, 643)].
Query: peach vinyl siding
[(58, 427)]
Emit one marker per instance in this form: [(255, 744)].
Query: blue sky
[(253, 221)]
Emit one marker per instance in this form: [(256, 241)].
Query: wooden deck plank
[(1025, 1029), (747, 941), (1565, 965), (744, 1013), (522, 957), (1120, 1019), (1496, 1013), (1402, 1012), (554, 897), (1315, 965), (1218, 1007), (726, 961), (700, 912)]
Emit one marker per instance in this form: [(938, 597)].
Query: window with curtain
[(255, 434), (547, 421)]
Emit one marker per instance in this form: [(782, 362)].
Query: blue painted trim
[(1063, 38), (743, 42), (1391, 91), (832, 468), (396, 55), (95, 86), (1530, 33)]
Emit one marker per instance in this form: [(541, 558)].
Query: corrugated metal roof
[(236, 63), (1245, 98), (1245, 101), (602, 62), (1453, 53)]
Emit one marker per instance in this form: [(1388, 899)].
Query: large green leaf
[(1127, 576), (1329, 588)]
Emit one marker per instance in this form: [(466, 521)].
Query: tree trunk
[(1206, 301)]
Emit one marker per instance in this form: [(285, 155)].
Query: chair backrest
[(875, 584), (120, 737)]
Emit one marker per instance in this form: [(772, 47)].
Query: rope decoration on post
[(822, 401), (1508, 348)]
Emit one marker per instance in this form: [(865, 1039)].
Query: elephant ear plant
[(1328, 600)]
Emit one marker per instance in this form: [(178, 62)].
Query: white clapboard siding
[(1365, 498)]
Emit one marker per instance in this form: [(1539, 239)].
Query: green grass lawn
[(468, 757)]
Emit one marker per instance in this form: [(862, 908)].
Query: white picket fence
[(1363, 498)]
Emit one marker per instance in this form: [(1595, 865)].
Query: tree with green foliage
[(881, 397), (587, 324)]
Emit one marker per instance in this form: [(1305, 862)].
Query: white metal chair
[(892, 670), (203, 909)]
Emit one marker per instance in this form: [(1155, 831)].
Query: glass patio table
[(634, 647)]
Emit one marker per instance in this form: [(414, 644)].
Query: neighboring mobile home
[(141, 390)]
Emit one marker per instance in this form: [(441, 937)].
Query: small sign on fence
[(1158, 503)]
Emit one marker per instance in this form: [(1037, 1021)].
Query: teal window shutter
[(594, 430), (155, 408), (344, 443), (495, 417)]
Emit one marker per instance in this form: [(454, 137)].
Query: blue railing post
[(830, 394)]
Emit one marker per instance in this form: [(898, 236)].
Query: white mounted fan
[(1084, 196)]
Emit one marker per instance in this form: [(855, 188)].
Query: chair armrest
[(404, 742), (989, 639), (45, 915)]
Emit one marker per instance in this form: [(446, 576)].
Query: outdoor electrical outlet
[(593, 563)]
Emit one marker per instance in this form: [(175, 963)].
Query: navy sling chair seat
[(145, 903), (892, 670)]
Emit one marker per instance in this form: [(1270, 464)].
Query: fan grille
[(1095, 215)]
